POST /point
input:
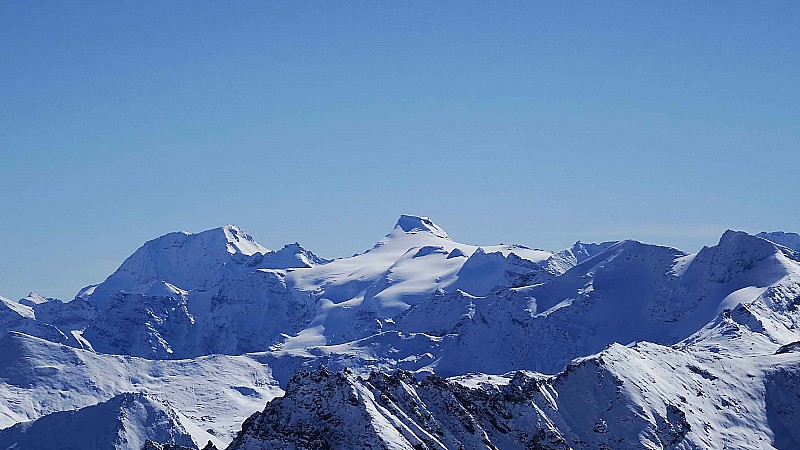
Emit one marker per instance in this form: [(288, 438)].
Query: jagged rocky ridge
[(421, 302), (646, 396)]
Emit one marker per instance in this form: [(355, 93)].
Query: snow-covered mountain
[(126, 421), (185, 295), (225, 324), (631, 292), (38, 378), (643, 396), (186, 261)]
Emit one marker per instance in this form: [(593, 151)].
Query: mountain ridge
[(466, 315)]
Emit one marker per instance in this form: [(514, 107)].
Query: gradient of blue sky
[(532, 122)]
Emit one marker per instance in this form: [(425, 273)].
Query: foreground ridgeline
[(420, 342)]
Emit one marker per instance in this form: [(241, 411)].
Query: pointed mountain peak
[(413, 224), (577, 254), (292, 256), (229, 237), (240, 242), (34, 299), (586, 250), (186, 261)]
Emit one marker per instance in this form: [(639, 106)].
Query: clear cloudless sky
[(539, 123)]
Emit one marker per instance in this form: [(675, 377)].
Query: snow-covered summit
[(291, 256), (413, 224), (238, 241), (185, 260), (578, 253)]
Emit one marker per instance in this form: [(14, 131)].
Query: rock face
[(240, 315)]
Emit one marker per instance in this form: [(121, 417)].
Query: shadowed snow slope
[(123, 422)]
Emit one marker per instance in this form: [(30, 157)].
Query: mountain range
[(420, 342)]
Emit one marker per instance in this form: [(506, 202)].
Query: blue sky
[(321, 122)]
